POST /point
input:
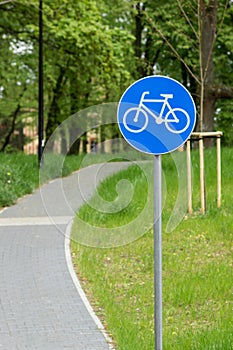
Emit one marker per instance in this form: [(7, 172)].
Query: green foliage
[(84, 60), (91, 54), (224, 120)]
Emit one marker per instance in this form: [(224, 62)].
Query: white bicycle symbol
[(140, 119)]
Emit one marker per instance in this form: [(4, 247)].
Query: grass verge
[(197, 268), (19, 174)]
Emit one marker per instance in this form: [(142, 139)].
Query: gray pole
[(41, 86), (158, 251)]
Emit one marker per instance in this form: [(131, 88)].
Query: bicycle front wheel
[(135, 120), (177, 120)]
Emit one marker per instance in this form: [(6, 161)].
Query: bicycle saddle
[(167, 95)]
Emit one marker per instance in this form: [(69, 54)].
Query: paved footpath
[(42, 306)]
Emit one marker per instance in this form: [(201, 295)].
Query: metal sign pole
[(172, 126), (41, 84), (158, 251)]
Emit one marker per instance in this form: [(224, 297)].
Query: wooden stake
[(201, 135), (218, 171), (189, 177), (202, 175)]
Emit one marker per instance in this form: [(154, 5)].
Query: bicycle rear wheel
[(135, 120)]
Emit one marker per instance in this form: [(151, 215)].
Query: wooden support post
[(200, 135), (202, 176), (219, 171), (189, 177)]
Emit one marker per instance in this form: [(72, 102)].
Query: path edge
[(79, 287)]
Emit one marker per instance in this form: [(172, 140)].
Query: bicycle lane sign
[(156, 114)]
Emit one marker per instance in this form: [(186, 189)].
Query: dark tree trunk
[(184, 73), (193, 87), (151, 56), (208, 32), (148, 61), (74, 107), (13, 122), (54, 110), (21, 138), (138, 37), (12, 129)]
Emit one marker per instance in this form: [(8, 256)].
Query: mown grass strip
[(197, 267)]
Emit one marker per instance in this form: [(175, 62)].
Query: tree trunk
[(208, 12), (12, 129), (74, 106), (54, 110), (138, 37), (13, 122)]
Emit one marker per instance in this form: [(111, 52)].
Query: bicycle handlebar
[(166, 96), (144, 94)]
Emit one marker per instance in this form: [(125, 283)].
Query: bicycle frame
[(175, 119), (165, 104)]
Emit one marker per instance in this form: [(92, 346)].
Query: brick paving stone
[(40, 307)]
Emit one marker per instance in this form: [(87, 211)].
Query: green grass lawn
[(197, 266), (197, 256), (19, 174)]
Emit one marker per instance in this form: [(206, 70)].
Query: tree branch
[(187, 19), (223, 17), (223, 92), (172, 48), (6, 2)]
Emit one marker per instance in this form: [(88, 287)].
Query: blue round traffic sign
[(156, 114)]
